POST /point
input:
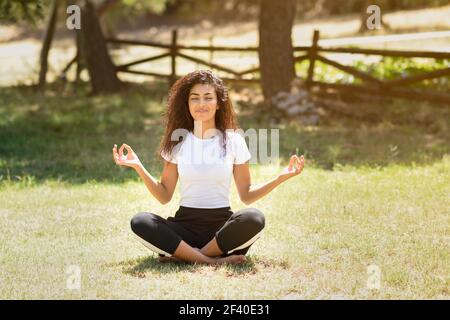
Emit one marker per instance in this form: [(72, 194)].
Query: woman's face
[(202, 102)]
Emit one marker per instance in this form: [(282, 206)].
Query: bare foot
[(172, 258), (168, 259), (233, 259)]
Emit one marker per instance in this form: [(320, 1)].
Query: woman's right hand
[(295, 167), (129, 160)]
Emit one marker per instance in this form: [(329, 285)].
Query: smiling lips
[(202, 110)]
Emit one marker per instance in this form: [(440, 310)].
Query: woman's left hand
[(295, 167)]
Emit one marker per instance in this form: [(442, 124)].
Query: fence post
[(312, 58), (173, 54)]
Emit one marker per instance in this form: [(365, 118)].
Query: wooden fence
[(370, 84)]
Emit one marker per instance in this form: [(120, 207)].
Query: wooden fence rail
[(371, 84)]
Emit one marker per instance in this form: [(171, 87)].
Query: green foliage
[(22, 10), (33, 10), (387, 68), (143, 6), (397, 67)]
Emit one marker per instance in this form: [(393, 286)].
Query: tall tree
[(275, 46), (48, 37), (94, 52)]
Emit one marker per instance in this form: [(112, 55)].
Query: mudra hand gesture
[(295, 167), (129, 160)]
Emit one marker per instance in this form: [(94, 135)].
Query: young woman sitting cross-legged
[(204, 228)]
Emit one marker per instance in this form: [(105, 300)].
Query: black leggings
[(234, 232)]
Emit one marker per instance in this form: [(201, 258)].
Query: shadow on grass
[(139, 267), (67, 135), (253, 264)]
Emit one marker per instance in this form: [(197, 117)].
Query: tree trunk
[(275, 46), (363, 16), (48, 37), (102, 72)]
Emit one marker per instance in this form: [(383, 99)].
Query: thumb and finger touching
[(291, 162), (119, 157), (296, 164)]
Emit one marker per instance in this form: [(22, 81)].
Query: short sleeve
[(172, 158), (241, 152)]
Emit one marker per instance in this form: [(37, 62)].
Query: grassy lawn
[(373, 193)]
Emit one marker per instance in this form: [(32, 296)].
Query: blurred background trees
[(104, 18), (128, 11), (22, 10)]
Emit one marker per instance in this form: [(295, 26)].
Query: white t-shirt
[(204, 172)]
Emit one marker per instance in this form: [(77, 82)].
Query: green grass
[(373, 193)]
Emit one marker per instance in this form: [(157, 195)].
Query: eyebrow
[(197, 94)]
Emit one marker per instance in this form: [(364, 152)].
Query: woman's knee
[(255, 218), (241, 231), (140, 222), (153, 233)]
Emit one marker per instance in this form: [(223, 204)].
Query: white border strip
[(151, 247), (249, 242)]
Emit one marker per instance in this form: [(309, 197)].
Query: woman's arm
[(162, 190), (249, 193)]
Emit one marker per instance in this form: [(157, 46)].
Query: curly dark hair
[(177, 115)]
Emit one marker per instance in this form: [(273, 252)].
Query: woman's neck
[(204, 129)]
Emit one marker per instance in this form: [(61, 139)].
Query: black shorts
[(234, 232)]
